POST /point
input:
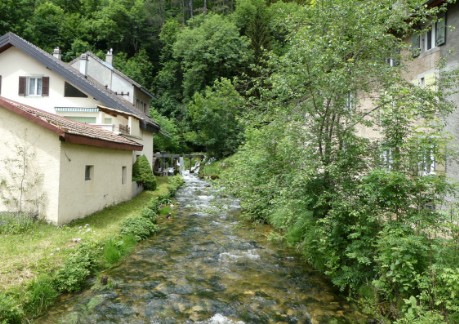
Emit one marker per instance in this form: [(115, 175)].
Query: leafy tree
[(168, 140), (15, 14), (253, 18), (214, 118), (168, 81), (45, 26), (210, 48)]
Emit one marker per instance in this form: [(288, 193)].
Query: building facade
[(58, 169)]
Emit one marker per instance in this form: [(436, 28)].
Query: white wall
[(79, 197), (14, 63), (43, 154)]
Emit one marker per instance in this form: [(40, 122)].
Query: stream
[(206, 267)]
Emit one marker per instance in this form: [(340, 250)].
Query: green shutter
[(440, 31)]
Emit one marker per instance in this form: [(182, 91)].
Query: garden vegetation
[(64, 258)]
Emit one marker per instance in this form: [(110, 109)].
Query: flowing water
[(205, 267)]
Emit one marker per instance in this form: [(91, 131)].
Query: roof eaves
[(66, 71), (33, 118), (91, 141)]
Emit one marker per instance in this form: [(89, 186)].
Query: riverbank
[(41, 261), (402, 270)]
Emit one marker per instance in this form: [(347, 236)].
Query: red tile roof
[(71, 131)]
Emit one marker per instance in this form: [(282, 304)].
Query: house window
[(89, 172), (349, 101), (429, 39), (427, 164), (71, 91), (391, 62), (422, 82), (123, 175), (34, 86), (435, 36), (387, 159)]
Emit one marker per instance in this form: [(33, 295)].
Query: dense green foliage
[(214, 117), (143, 174)]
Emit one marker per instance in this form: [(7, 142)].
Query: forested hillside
[(286, 90)]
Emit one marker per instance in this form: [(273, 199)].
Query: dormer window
[(34, 86), (71, 91)]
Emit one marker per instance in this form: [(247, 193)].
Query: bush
[(153, 204), (142, 173), (41, 293), (173, 184), (139, 227), (149, 214), (15, 223), (10, 312), (77, 268)]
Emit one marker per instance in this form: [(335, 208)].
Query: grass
[(44, 248)]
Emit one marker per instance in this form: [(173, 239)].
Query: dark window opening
[(71, 91), (88, 172)]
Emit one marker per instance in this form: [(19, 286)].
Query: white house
[(60, 169), (105, 74), (33, 77)]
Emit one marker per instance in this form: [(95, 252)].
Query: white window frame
[(429, 35), (37, 88), (387, 158), (428, 164)]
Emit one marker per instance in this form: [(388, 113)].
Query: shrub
[(10, 312), (142, 173), (41, 293), (174, 184), (148, 214), (77, 268), (15, 223), (153, 204), (139, 227)]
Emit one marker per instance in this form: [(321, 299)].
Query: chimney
[(109, 57), (57, 53), (83, 63)]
